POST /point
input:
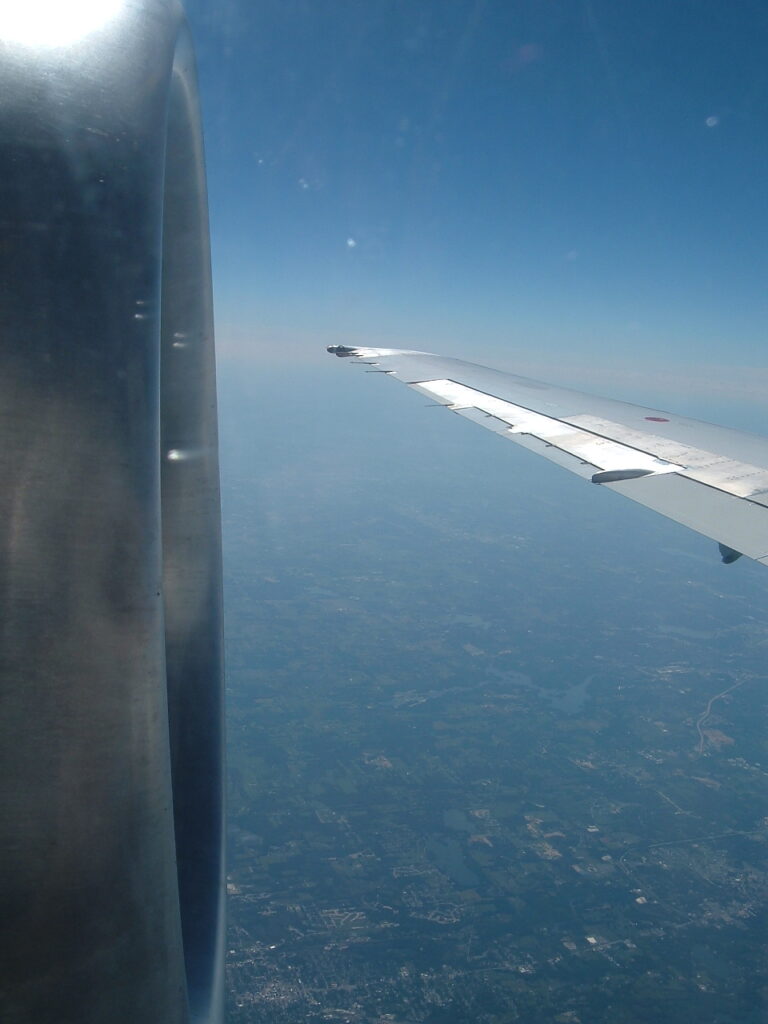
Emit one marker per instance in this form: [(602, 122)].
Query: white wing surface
[(710, 478)]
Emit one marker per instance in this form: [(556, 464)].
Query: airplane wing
[(709, 478)]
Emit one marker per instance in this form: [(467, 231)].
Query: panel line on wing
[(607, 445), (739, 478), (601, 452)]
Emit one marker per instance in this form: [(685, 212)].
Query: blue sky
[(564, 183)]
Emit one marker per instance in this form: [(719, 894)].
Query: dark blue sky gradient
[(489, 178)]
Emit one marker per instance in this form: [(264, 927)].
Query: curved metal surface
[(191, 545), (110, 636)]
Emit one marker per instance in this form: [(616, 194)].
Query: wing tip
[(343, 351)]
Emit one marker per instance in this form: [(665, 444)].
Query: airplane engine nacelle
[(111, 861)]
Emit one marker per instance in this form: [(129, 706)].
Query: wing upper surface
[(712, 479)]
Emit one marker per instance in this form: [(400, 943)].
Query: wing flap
[(738, 524), (534, 444)]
